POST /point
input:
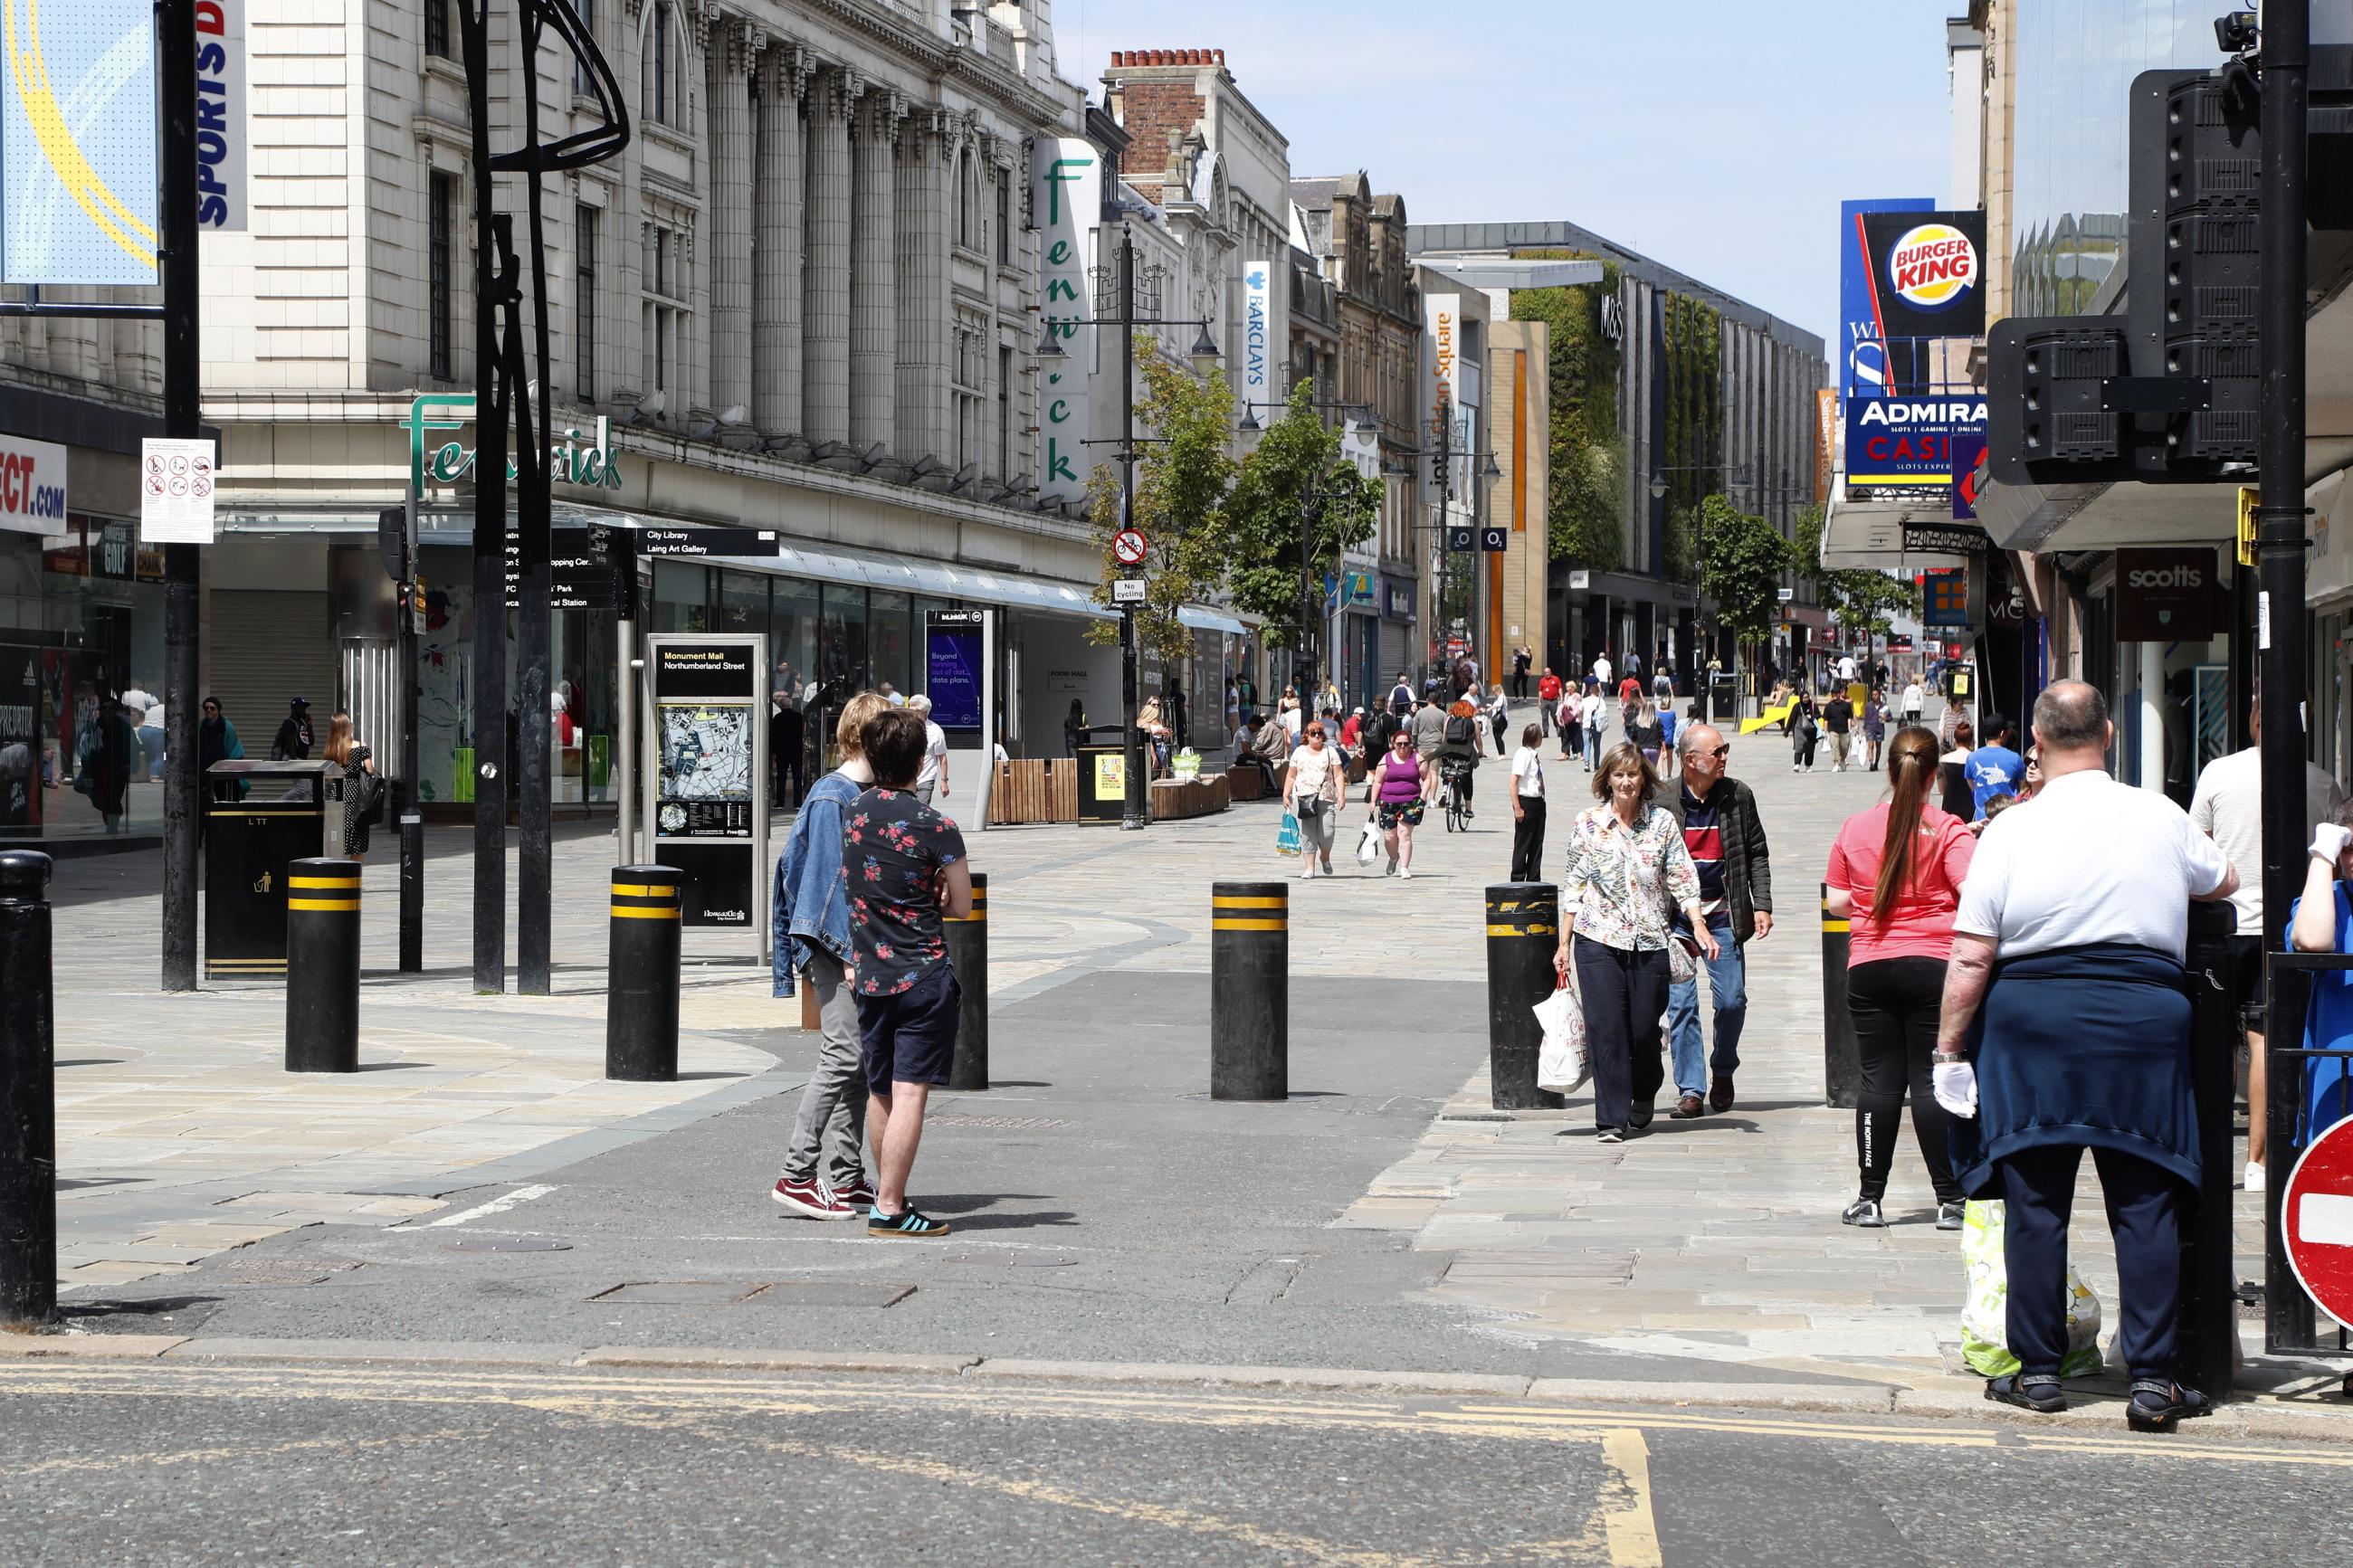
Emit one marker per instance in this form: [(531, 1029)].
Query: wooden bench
[(1035, 789)]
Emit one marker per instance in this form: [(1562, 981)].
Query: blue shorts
[(911, 1037)]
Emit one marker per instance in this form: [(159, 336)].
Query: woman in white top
[(1312, 789), (1528, 806), (1499, 715)]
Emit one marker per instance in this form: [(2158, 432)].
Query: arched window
[(965, 202), (659, 95)]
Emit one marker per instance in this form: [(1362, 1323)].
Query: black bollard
[(968, 955), (1842, 1056), (29, 1102), (2210, 1305), (1522, 936), (641, 985), (1250, 991), (322, 966)]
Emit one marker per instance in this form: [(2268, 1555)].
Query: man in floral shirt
[(904, 866)]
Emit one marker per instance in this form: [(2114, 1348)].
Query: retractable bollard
[(1522, 936), (28, 1115), (322, 966), (1250, 991), (2210, 1304), (641, 985), (967, 941), (1842, 1056)]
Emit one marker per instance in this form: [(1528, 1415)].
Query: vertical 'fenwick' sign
[(1067, 179), (1257, 305)]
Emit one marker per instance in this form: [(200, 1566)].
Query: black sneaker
[(1950, 1216), (1865, 1211), (2159, 1407), (909, 1223), (2038, 1392), (1610, 1135)]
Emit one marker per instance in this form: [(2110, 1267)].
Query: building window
[(965, 204), (665, 285), (658, 88), (584, 303), (437, 29), (586, 11), (440, 194), (1004, 407), (1005, 219)]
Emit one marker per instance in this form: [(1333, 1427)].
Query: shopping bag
[(1985, 1321), (1187, 765), (1682, 961), (1286, 841), (1563, 1063), (1368, 847)]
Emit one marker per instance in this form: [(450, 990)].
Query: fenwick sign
[(578, 458)]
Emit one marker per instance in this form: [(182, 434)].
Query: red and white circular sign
[(2316, 1212), (1127, 546)]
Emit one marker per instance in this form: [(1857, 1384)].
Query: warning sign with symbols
[(176, 491), (2316, 1212)]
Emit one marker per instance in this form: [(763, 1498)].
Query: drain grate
[(1021, 1123), (783, 1293)]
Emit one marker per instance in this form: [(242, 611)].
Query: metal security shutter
[(1393, 654), (373, 693), (266, 650)]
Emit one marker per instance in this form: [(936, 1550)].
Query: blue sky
[(1717, 137)]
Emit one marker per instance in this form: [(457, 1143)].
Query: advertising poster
[(1926, 273), (952, 662), (1907, 444), (78, 143), (708, 735), (1863, 358)]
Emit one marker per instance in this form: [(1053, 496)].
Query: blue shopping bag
[(1286, 842)]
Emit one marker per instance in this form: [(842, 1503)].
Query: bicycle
[(1452, 774)]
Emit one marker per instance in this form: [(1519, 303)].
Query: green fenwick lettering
[(1056, 179)]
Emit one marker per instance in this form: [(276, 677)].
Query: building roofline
[(1507, 237)]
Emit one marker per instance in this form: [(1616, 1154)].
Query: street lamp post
[(1134, 812), (1444, 457)]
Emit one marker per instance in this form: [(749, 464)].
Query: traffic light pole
[(2280, 534)]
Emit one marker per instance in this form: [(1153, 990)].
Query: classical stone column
[(778, 237), (923, 412), (825, 296), (729, 64), (874, 264)]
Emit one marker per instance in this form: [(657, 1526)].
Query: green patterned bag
[(1985, 1309)]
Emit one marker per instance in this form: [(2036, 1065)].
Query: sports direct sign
[(1926, 273), (32, 486), (2317, 1213)]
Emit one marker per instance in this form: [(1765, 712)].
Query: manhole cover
[(1030, 1123), (509, 1244), (876, 1293), (1017, 1261), (681, 1292)]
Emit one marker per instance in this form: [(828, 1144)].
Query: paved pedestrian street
[(1324, 1329)]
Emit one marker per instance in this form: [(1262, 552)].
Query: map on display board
[(706, 752)]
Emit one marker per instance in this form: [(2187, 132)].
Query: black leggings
[(1894, 1003)]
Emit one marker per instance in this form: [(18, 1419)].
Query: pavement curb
[(2312, 1419)]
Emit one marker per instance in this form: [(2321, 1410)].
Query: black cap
[(300, 703)]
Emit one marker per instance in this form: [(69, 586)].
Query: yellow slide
[(1773, 719)]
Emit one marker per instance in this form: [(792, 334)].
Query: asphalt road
[(162, 1463)]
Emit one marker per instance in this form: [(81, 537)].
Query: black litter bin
[(1102, 779), (260, 817)]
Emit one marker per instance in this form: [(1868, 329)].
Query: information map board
[(707, 760)]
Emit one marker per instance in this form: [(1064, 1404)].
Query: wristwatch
[(1947, 1059)]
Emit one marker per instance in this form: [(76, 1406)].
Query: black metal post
[(534, 621), (2279, 548), (412, 813), (175, 57), (967, 940), (1134, 812), (28, 1116), (1250, 991), (322, 966), (1522, 935), (493, 284), (641, 982), (2208, 1323), (1841, 1054)]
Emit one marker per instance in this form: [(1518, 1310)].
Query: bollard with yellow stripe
[(641, 978), (322, 966), (967, 943), (1250, 991), (1842, 1056), (1522, 935)]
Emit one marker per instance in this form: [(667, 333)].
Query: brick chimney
[(1158, 101)]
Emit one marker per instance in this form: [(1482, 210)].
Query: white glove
[(1957, 1088), (2329, 841)]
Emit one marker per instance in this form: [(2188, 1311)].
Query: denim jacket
[(810, 908)]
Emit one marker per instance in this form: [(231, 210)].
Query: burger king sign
[(1925, 273)]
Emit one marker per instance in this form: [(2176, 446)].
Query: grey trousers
[(832, 1118)]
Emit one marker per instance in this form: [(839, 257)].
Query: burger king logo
[(1933, 267)]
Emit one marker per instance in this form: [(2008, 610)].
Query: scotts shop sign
[(576, 456), (32, 486), (2166, 595)]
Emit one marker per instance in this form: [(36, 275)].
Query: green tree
[(1741, 569), (1861, 600), (1182, 479), (1296, 469)]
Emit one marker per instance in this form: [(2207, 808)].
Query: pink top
[(1922, 923), (1400, 777)]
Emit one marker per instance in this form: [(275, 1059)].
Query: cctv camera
[(2236, 32)]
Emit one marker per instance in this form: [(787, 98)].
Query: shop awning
[(1895, 533), (1210, 620)]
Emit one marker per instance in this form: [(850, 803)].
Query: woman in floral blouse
[(1627, 872)]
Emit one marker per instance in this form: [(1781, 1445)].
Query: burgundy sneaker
[(859, 1194), (810, 1196)]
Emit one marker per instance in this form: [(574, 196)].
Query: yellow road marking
[(82, 1465), (1627, 1521)]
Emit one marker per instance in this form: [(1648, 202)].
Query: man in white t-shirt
[(1590, 711), (935, 776), (2083, 894), (1602, 670), (2228, 808), (1528, 806)]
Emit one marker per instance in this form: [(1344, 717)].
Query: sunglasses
[(1718, 752)]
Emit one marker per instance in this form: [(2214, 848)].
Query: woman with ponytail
[(1895, 873)]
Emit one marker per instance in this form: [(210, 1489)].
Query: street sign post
[(1128, 590), (696, 541), (2316, 1220)]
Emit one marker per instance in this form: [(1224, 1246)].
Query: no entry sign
[(2316, 1210)]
